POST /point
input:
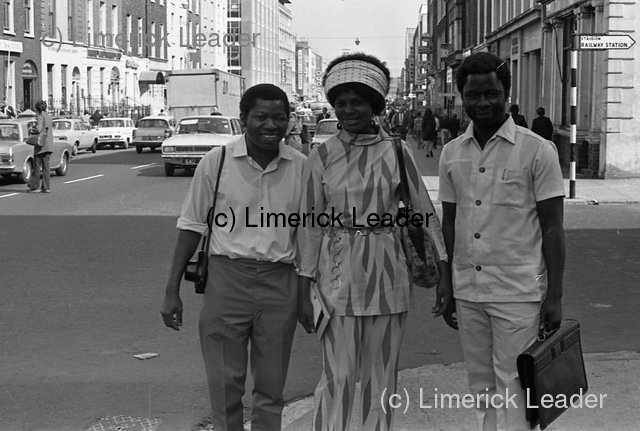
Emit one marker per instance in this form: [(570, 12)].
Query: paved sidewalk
[(612, 377), (588, 192)]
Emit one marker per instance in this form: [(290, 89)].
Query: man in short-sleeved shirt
[(502, 194), (251, 293)]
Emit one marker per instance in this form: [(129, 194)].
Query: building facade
[(537, 39)]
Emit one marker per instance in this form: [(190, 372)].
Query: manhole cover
[(122, 423)]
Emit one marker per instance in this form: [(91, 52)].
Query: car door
[(77, 134)]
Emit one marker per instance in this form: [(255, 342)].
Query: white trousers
[(493, 334)]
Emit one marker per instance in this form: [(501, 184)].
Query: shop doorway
[(29, 81)]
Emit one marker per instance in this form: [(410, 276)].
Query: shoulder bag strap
[(404, 183), (211, 213)]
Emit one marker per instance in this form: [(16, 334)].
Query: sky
[(332, 26)]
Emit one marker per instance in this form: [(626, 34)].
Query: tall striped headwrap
[(360, 71)]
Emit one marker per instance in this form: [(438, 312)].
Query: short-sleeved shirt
[(253, 202), (498, 240)]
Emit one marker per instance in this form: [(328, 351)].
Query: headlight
[(168, 149)]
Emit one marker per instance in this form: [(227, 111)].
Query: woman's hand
[(305, 309)]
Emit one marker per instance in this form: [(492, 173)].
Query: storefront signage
[(606, 41), (100, 53)]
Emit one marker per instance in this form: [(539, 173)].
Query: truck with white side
[(192, 92)]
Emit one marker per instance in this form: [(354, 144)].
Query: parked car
[(324, 130), (194, 137), (75, 132), (115, 131), (16, 156), (152, 131)]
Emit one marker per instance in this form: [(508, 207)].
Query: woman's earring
[(375, 126), (339, 126)]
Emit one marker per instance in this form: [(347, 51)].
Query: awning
[(151, 77)]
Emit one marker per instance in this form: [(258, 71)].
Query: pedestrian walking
[(417, 130), (454, 126), (323, 115), (360, 271), (518, 118), (96, 117), (41, 150), (429, 130), (400, 123), (502, 196), (251, 292), (542, 125), (86, 118), (294, 130)]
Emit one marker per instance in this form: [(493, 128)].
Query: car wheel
[(27, 171), (94, 146), (138, 149), (126, 144), (169, 169), (74, 152), (64, 165)]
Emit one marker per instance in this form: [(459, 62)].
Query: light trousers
[(358, 347), (492, 335), (247, 301)]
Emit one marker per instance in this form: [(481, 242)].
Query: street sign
[(605, 41)]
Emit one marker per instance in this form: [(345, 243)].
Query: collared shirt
[(498, 240), (252, 203), (355, 180)]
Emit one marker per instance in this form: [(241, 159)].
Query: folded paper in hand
[(322, 310)]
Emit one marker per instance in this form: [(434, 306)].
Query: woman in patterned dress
[(358, 265)]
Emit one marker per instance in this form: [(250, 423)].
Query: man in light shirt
[(502, 199), (251, 293)]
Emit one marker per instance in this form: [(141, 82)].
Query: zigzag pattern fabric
[(365, 348)]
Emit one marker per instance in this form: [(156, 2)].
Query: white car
[(324, 130), (194, 137), (76, 133), (114, 131)]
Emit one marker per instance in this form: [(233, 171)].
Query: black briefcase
[(551, 371)]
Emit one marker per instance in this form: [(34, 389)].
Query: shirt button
[(478, 268), (478, 202), (476, 235), (481, 169)]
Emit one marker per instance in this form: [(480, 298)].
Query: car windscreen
[(9, 132), (111, 123), (205, 125), (62, 125), (327, 127), (149, 122)]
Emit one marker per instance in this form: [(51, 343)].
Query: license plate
[(191, 161)]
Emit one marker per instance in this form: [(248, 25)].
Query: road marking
[(10, 194), (84, 179), (144, 166)]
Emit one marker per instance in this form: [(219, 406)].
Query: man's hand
[(172, 311), (551, 314), (445, 304)]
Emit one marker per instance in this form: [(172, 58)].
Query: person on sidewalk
[(429, 130), (518, 118), (417, 130), (294, 130), (502, 197), (400, 123), (42, 151), (323, 115), (251, 293), (360, 271), (542, 125)]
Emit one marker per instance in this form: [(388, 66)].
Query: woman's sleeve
[(422, 202), (309, 238)]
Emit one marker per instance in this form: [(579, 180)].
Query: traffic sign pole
[(573, 121)]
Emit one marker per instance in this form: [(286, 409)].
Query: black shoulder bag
[(417, 244), (197, 269)]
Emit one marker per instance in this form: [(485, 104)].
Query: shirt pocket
[(511, 187)]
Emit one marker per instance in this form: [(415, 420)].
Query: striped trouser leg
[(358, 346)]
